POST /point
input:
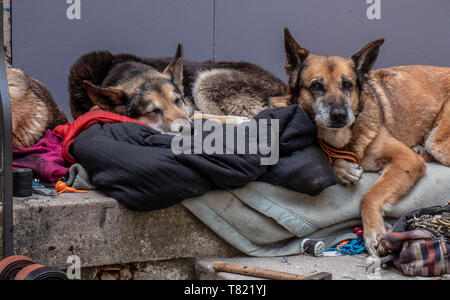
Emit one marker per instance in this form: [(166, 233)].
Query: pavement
[(341, 267)]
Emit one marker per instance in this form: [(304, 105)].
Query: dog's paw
[(419, 150), (372, 237), (422, 151), (347, 173)]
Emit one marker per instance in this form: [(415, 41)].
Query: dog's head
[(328, 87), (141, 92)]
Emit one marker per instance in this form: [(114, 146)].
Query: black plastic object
[(6, 152), (11, 266), (22, 182), (40, 272)]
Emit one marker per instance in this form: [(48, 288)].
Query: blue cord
[(355, 246)]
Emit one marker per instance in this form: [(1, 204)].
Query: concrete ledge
[(102, 232)]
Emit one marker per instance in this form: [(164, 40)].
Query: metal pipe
[(6, 150)]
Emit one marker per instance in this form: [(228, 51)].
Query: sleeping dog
[(158, 91), (33, 110), (382, 116)]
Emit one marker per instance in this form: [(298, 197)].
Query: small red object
[(358, 231)]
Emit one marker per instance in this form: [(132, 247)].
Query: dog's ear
[(175, 69), (106, 98), (366, 58), (295, 56), (281, 101)]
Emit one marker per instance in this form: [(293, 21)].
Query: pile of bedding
[(135, 164)]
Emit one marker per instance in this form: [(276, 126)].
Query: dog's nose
[(338, 115)]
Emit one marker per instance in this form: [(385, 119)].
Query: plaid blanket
[(423, 251)]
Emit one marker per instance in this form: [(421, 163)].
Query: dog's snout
[(338, 115)]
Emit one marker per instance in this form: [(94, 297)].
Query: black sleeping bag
[(135, 164)]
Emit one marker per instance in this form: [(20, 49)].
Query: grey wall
[(45, 43)]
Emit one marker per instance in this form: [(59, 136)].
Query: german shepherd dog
[(379, 115), (158, 91), (33, 109)]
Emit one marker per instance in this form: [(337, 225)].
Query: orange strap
[(61, 187), (342, 244), (335, 153)]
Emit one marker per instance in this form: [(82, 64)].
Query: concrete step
[(102, 232), (341, 267)]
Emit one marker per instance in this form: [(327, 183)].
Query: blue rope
[(355, 246)]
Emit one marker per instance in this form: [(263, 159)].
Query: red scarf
[(71, 130)]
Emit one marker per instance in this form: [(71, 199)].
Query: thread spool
[(312, 247), (22, 182)]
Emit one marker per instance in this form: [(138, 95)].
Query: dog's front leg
[(403, 170)]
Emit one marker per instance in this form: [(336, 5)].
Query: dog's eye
[(157, 111), (347, 85), (317, 86), (178, 102)]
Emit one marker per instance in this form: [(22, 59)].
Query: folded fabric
[(79, 178), (44, 158), (266, 220), (70, 131), (136, 165)]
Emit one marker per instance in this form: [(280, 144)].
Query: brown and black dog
[(33, 109), (379, 115)]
